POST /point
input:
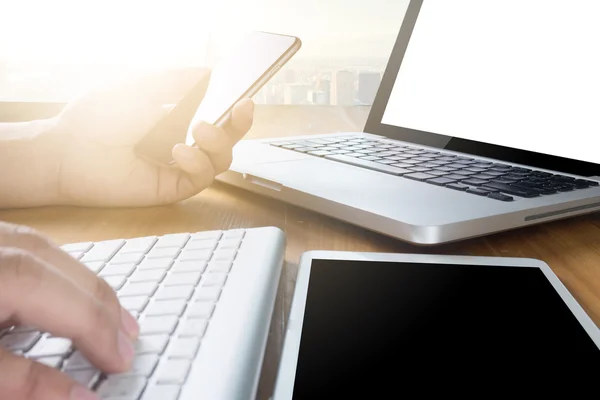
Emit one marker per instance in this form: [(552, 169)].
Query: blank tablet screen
[(372, 329)]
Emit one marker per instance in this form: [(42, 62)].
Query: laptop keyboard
[(479, 177), (172, 284)]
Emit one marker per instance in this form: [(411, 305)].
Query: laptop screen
[(495, 77)]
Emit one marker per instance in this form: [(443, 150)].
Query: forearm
[(28, 164)]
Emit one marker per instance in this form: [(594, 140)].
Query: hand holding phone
[(240, 75)]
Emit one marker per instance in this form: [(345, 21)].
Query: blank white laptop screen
[(522, 74)]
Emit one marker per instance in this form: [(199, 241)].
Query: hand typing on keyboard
[(43, 287), (85, 155)]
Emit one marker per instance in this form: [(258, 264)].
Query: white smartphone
[(239, 75)]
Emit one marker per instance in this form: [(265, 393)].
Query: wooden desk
[(571, 247)]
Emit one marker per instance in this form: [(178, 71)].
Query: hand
[(42, 286), (98, 132)]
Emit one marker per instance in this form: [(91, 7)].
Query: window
[(52, 49)]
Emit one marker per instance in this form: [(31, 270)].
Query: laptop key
[(477, 191), (500, 196), (438, 173), (420, 169), (457, 186), (419, 176), (511, 189), (319, 153), (475, 182), (388, 169), (441, 181)]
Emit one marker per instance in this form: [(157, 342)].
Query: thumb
[(24, 379)]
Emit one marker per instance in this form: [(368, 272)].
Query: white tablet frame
[(286, 375)]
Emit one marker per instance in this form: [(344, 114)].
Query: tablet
[(379, 326)]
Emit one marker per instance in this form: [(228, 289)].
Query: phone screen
[(249, 66)]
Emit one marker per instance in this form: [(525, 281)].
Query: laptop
[(484, 122)]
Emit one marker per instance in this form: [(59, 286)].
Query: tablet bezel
[(284, 386)]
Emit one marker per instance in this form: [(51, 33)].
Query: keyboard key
[(156, 263), (173, 371), (50, 346), (158, 325), (177, 240), (403, 166), (103, 251), (138, 289), (85, 377), (216, 235), (151, 275), (440, 181), (482, 176), (162, 392), (131, 258), (219, 266), (151, 344), (195, 255), (183, 347), (388, 169), (54, 362), (475, 182), (445, 169), (168, 252), (419, 176), (215, 279), (192, 327), (178, 279), (479, 192), (499, 196), (438, 173), (188, 266), (420, 169), (511, 189), (134, 304), (115, 282), (138, 245), (142, 365), (202, 309), (94, 266), (208, 293), (201, 244), (174, 292), (78, 361), (19, 341), (233, 243), (456, 177), (166, 307), (77, 247), (116, 270), (122, 387), (457, 186)]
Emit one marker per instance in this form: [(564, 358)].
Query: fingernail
[(81, 393), (130, 325), (125, 348)]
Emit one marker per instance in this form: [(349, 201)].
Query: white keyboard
[(204, 302)]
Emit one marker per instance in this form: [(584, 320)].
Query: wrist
[(30, 154)]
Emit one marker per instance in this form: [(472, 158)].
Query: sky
[(163, 31)]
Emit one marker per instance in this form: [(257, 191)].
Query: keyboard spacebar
[(369, 165)]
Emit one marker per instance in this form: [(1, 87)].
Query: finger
[(215, 140), (23, 379), (197, 171), (242, 117), (25, 238), (55, 304)]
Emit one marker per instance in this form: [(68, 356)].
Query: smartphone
[(241, 74)]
